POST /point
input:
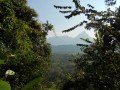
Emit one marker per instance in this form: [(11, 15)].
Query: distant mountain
[(61, 40), (65, 40)]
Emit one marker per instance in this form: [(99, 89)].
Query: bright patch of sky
[(46, 11)]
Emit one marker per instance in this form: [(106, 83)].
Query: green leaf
[(35, 84), (4, 85), (2, 62)]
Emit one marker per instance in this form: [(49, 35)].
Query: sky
[(46, 11)]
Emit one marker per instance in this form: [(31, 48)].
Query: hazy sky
[(46, 11)]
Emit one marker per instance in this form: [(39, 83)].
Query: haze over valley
[(66, 44)]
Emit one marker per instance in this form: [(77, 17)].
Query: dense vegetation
[(98, 68), (23, 46), (25, 53)]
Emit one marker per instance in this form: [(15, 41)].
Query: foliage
[(4, 85), (35, 84), (96, 71), (23, 46), (60, 66), (110, 2), (38, 84), (98, 68), (89, 12)]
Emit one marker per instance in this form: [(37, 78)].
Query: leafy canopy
[(23, 45), (98, 68)]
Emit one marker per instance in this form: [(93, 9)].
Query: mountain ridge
[(66, 40)]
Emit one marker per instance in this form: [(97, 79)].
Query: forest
[(29, 62)]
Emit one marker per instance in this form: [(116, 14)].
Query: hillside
[(65, 49)]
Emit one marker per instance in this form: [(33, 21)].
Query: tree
[(23, 46), (98, 68)]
